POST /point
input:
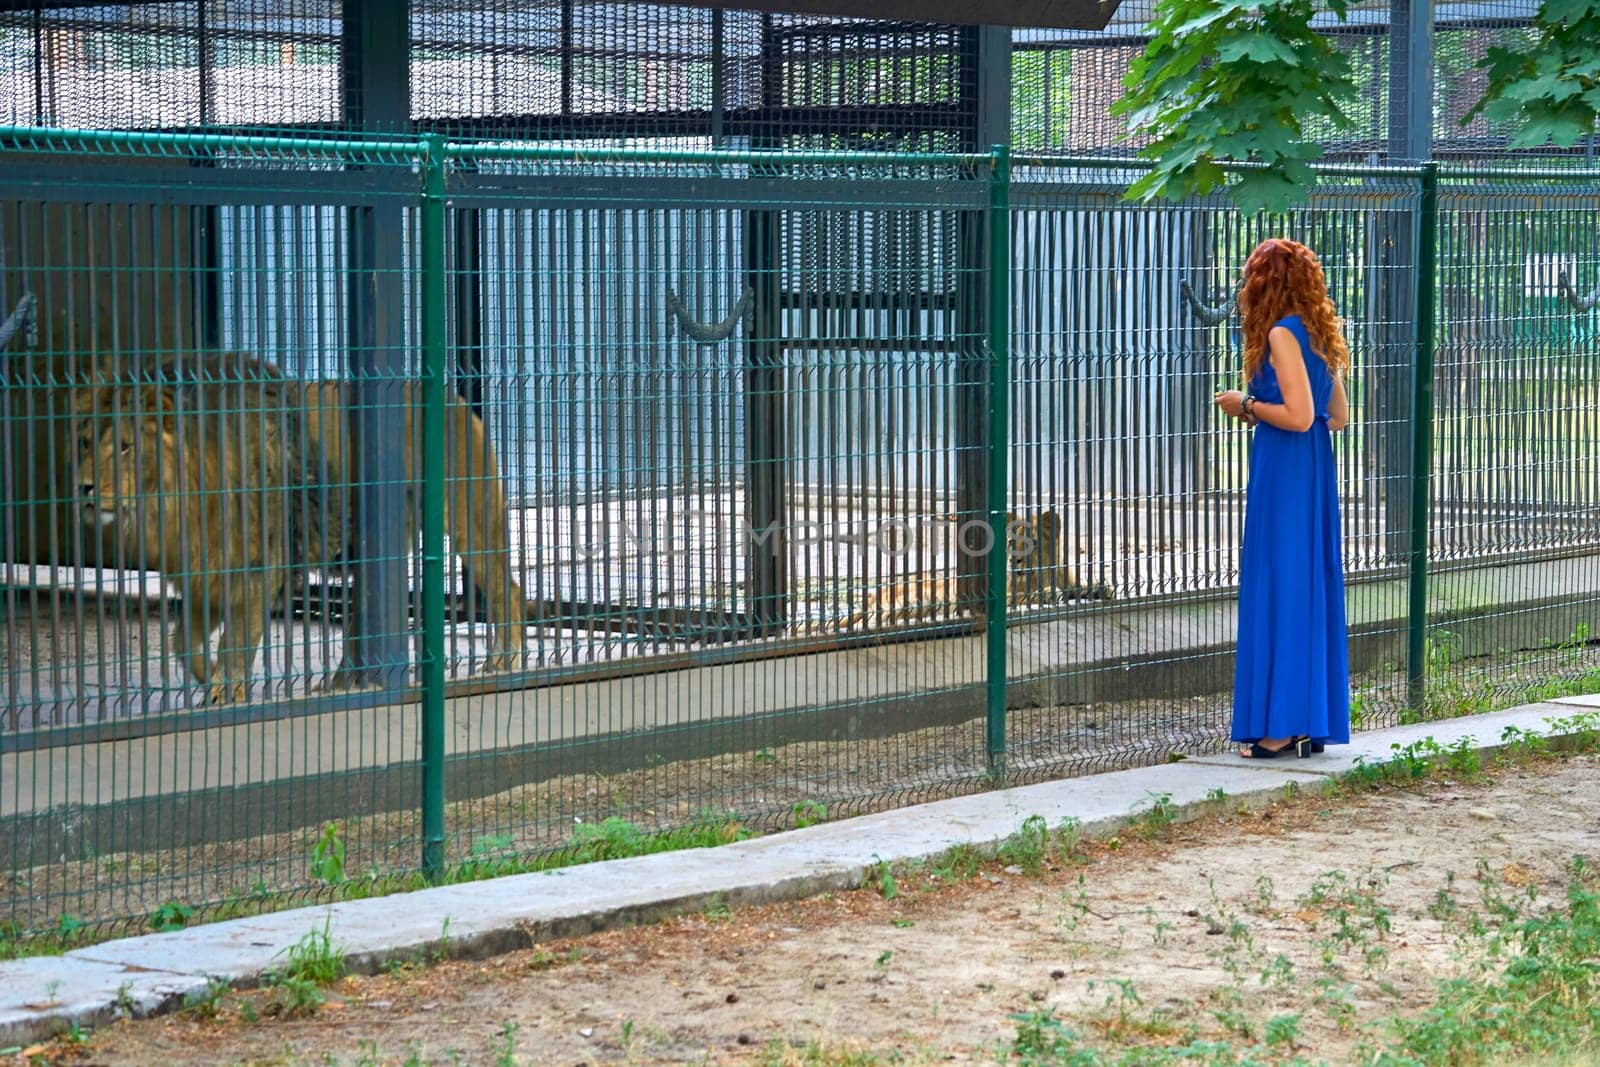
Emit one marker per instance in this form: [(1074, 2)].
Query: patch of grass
[(296, 996), (1529, 991), (777, 1053), (1069, 835), (173, 915), (208, 1003), (809, 813), (615, 838), (1580, 733), (1419, 760), (1539, 998), (315, 957), (1521, 745), (1362, 775), (1411, 761), (1461, 760), (16, 943), (544, 961), (717, 910), (1028, 846), (312, 963), (1451, 692), (1282, 1030), (958, 864), (1160, 815), (1033, 844), (1042, 1040)]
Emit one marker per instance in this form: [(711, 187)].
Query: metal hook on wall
[(23, 319), (1580, 304), (1209, 314), (711, 333)]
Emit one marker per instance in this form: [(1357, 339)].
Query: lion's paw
[(345, 680), (500, 662), (227, 693)]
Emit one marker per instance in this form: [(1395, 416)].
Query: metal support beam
[(1410, 80), (987, 104), (1394, 247), (467, 293), (992, 124), (766, 450), (997, 433), (377, 97), (1421, 441)]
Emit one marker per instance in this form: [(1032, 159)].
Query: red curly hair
[(1282, 277)]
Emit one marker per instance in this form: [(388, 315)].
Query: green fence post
[(1422, 439), (998, 438), (431, 414)]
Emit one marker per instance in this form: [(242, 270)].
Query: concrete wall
[(278, 774), (114, 284)]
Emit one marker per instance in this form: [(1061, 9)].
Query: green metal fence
[(550, 497)]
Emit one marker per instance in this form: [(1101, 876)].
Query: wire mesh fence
[(427, 505), (1514, 468), (595, 72)]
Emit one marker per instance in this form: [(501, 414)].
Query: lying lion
[(1036, 576), (227, 481)]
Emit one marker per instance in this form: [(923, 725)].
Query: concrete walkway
[(147, 975)]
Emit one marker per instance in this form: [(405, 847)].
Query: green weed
[(1028, 846), (1161, 814), (809, 813), (883, 877), (207, 1004), (173, 915), (313, 962), (958, 864), (315, 958), (327, 856), (505, 1049)]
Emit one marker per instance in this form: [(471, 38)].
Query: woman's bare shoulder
[(1282, 339)]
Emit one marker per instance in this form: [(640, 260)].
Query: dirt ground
[(1344, 909)]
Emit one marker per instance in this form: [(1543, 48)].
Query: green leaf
[(1234, 80), (1195, 23), (1545, 88), (1563, 129), (1258, 48), (1569, 11)]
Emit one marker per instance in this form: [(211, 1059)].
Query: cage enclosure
[(755, 322)]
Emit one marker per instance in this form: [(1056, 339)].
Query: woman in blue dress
[(1291, 687)]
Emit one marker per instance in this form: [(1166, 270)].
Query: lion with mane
[(230, 478)]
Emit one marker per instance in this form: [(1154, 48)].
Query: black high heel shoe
[(1300, 746)]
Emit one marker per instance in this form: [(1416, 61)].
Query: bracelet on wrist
[(1247, 406)]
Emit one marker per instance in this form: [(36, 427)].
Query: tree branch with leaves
[(1549, 90), (1234, 81), (1242, 81)]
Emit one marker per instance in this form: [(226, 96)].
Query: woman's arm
[(1295, 413), (1338, 405)]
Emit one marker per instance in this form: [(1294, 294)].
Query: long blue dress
[(1291, 673)]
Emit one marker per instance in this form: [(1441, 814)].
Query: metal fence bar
[(999, 452), (1422, 436), (435, 358)]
